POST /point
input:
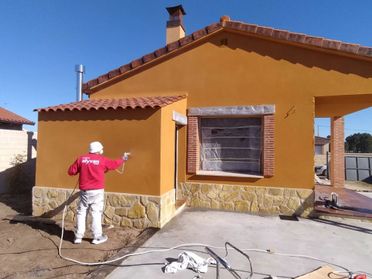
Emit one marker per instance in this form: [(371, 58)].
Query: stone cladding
[(121, 209), (252, 199)]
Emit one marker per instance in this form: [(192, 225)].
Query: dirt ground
[(30, 249)]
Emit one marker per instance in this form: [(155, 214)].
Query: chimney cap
[(174, 9), (224, 18)]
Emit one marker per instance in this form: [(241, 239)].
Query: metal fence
[(358, 167)]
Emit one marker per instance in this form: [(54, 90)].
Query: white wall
[(13, 143)]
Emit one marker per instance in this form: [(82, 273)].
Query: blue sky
[(42, 40)]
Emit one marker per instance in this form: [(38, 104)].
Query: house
[(321, 149), (321, 145), (223, 117), (11, 121), (16, 151)]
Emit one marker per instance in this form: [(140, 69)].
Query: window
[(231, 141), (318, 149), (231, 145)]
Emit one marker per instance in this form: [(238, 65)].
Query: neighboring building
[(321, 145), (16, 153), (11, 121), (321, 149), (249, 94)]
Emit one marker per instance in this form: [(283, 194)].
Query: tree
[(359, 143)]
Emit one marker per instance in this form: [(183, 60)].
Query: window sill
[(227, 174)]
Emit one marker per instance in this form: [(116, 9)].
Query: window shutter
[(193, 144), (268, 145)]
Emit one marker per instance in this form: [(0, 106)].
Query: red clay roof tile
[(280, 34), (103, 78), (148, 57), (126, 103), (296, 37), (136, 63), (199, 34), (186, 40), (213, 27), (114, 73), (10, 117), (172, 46), (349, 47), (331, 44), (262, 31), (321, 140), (125, 68), (161, 51)]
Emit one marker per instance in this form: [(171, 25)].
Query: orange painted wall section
[(167, 149), (65, 135), (250, 71)]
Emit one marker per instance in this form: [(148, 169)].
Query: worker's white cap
[(95, 147)]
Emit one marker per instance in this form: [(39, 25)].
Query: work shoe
[(100, 239), (77, 240)]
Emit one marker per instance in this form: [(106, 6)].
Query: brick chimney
[(175, 28)]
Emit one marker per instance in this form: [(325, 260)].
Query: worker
[(91, 168)]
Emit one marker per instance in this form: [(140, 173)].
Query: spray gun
[(126, 156)]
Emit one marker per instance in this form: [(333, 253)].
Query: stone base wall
[(121, 209), (167, 207), (257, 200)]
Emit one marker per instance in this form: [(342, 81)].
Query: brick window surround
[(268, 123)]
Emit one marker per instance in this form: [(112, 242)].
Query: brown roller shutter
[(268, 145), (193, 144)]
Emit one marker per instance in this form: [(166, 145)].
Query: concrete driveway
[(344, 242)]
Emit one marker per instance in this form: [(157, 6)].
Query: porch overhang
[(335, 107), (332, 106)]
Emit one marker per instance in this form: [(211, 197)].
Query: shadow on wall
[(60, 208), (98, 115), (20, 178), (295, 55), (367, 180), (16, 186)]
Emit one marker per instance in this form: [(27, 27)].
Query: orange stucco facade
[(301, 82), (65, 135), (253, 71)]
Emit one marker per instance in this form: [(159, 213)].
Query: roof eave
[(149, 59), (17, 122), (354, 51)]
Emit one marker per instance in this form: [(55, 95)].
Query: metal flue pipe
[(79, 69)]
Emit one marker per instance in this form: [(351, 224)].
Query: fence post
[(327, 161)]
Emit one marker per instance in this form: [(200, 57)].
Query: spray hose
[(122, 169), (162, 250), (205, 246), (125, 158)]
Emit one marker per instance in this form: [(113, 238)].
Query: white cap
[(95, 147)]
